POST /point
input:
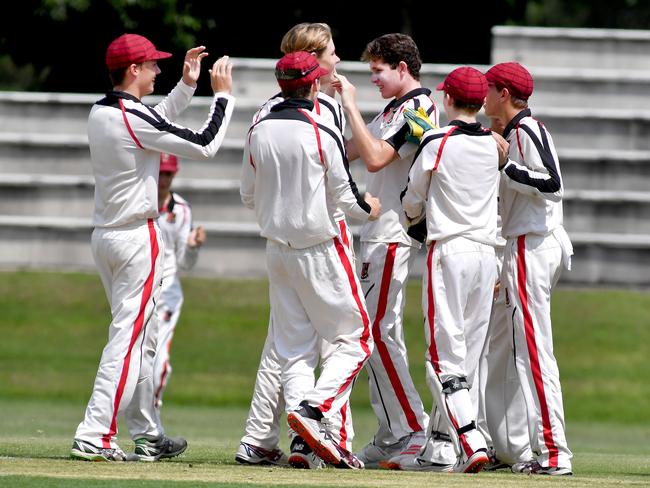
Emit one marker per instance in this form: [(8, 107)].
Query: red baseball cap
[(512, 76), (168, 162), (131, 48), (465, 84), (297, 69)]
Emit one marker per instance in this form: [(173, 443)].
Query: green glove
[(419, 122)]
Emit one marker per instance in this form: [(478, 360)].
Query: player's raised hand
[(221, 75), (197, 237), (192, 65), (375, 206), (346, 89)]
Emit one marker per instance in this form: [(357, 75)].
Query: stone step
[(63, 154), (72, 196), (237, 250), (573, 48), (602, 128)]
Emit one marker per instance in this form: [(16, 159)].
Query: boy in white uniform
[(126, 138), (293, 174), (182, 244), (260, 444), (387, 249), (453, 184), (537, 249)]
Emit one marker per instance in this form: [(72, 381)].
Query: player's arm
[(415, 195), (340, 184), (538, 175), (187, 250), (376, 153), (247, 186)]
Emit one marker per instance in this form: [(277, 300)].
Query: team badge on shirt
[(364, 270)]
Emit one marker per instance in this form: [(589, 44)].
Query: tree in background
[(59, 45)]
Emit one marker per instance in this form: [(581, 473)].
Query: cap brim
[(161, 55), (441, 86)]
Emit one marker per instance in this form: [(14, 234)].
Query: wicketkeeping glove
[(418, 122)]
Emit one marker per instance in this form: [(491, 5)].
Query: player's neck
[(409, 85), (163, 199)]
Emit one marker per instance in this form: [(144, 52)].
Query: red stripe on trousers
[(344, 232), (533, 353), (137, 328), (163, 375), (380, 345), (431, 313), (363, 340), (343, 433), (433, 351)]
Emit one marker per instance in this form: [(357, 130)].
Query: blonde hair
[(310, 37)]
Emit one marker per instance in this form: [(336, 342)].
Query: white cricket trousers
[(502, 408), (531, 267), (168, 310), (129, 261), (457, 293), (394, 399), (267, 405), (314, 293)]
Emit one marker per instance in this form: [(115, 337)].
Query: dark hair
[(471, 108), (300, 92), (117, 76), (393, 48)]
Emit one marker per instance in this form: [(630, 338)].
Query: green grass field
[(54, 326)]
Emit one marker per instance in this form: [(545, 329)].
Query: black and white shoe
[(161, 448), (302, 456)]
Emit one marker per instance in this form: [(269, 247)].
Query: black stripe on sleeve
[(551, 185), (200, 138), (353, 186), (398, 139), (337, 121)]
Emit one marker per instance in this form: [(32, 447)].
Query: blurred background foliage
[(59, 45)]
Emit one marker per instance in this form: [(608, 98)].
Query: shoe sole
[(475, 465), (86, 456), (389, 465), (312, 440), (299, 462)]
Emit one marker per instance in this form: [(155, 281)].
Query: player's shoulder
[(414, 99), (266, 107), (180, 201)]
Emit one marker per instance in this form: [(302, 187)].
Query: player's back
[(290, 157), (462, 198)]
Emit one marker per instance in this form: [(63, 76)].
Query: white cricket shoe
[(315, 435), (255, 455), (474, 463), (413, 444), (533, 467), (89, 452)]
